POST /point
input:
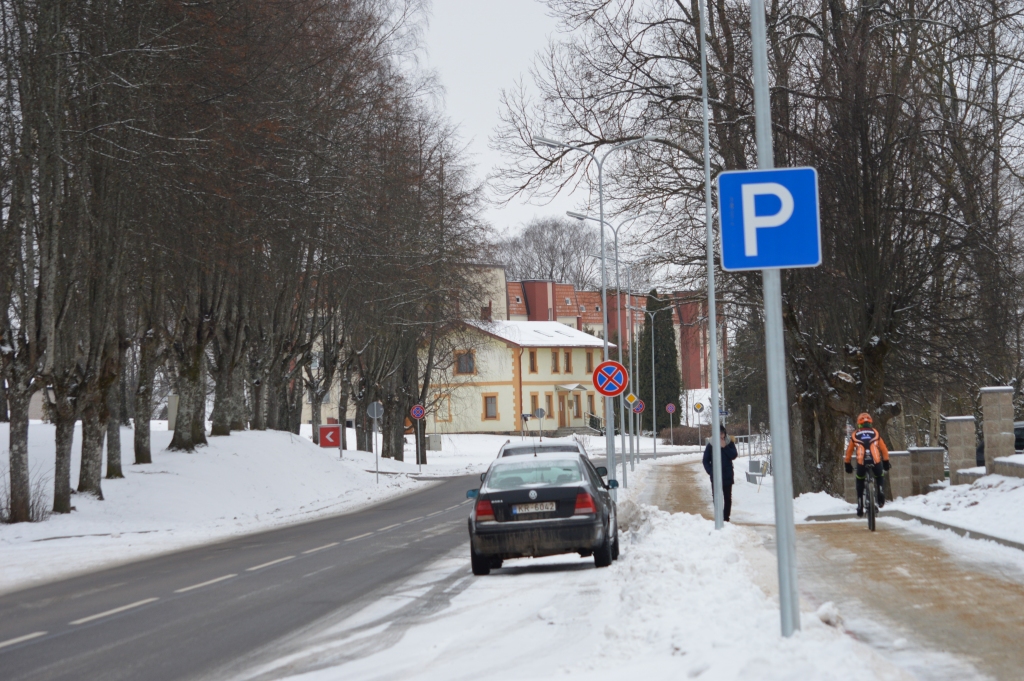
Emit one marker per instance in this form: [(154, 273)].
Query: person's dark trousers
[(726, 499), (862, 475)]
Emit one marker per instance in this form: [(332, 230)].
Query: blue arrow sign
[(769, 219)]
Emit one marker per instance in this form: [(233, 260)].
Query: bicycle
[(870, 499)]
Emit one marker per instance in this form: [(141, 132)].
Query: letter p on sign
[(769, 219)]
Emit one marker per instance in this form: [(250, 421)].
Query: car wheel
[(481, 564), (496, 563), (615, 547), (603, 554)]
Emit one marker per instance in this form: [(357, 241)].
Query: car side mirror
[(482, 476), (472, 494), (602, 471), (613, 484)]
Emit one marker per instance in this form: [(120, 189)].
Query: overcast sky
[(478, 47)]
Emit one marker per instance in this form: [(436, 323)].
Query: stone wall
[(926, 467), (899, 476), (961, 439), (997, 426)]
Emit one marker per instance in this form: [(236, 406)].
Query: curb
[(969, 534)]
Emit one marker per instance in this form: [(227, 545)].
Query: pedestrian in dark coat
[(729, 454)]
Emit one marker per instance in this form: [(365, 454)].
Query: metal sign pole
[(373, 438), (654, 392), (716, 444), (775, 352)]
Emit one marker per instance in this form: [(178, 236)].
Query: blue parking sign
[(769, 219)]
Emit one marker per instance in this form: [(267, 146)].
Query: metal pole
[(632, 416), (618, 322), (775, 351), (609, 409), (716, 442), (654, 391), (749, 434), (373, 444)]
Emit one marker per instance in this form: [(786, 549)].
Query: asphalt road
[(192, 613)]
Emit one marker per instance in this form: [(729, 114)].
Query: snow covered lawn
[(683, 601), (993, 505)]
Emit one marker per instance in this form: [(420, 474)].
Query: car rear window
[(539, 449), (533, 474)]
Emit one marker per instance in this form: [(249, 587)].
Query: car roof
[(539, 456), (540, 447)]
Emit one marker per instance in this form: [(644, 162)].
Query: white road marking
[(22, 639), (431, 515), (412, 520), (389, 527), (202, 584), (451, 507), (97, 616), (359, 536), (273, 562), (321, 548)]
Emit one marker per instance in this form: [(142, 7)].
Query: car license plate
[(541, 507)]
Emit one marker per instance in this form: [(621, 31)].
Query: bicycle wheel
[(869, 491)]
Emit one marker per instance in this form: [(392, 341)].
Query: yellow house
[(509, 368)]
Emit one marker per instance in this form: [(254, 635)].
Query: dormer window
[(583, 308), (518, 299), (568, 302), (597, 308)]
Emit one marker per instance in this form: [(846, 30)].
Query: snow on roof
[(538, 334)]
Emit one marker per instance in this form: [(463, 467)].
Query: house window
[(597, 308), (490, 408), (444, 408), (533, 361), (590, 403), (465, 363), (590, 362), (583, 308), (518, 299), (568, 361), (554, 361), (534, 403), (549, 400), (568, 302), (576, 402)]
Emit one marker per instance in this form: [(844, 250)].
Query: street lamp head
[(545, 142), (574, 214)]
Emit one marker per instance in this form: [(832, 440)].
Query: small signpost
[(417, 413), (698, 407), (540, 414), (671, 409), (610, 379), (330, 436), (375, 411), (638, 407), (631, 398)]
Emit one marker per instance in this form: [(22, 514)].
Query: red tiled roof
[(515, 291)]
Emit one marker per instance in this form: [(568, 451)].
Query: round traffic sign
[(698, 407), (610, 378), (375, 410), (417, 412), (540, 413), (638, 408), (670, 408)]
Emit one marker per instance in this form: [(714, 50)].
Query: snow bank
[(993, 505), (683, 601)]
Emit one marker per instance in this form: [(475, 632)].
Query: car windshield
[(538, 449), (533, 473)]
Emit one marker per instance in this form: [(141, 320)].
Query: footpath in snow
[(683, 601), (246, 482)]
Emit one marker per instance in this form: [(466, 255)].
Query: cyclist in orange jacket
[(863, 441)]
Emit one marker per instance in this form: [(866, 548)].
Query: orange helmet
[(864, 418)]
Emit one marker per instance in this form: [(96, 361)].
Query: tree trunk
[(314, 418), (259, 389), (897, 431), (20, 488), (90, 476), (343, 396), (62, 468), (4, 418), (144, 400), (223, 397), (236, 402), (114, 431), (187, 433)]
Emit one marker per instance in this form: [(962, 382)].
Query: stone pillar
[(926, 467), (899, 475), (850, 485), (997, 423), (960, 439)]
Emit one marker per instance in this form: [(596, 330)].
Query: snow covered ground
[(683, 601)]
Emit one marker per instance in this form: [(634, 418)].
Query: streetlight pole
[(609, 410), (623, 410)]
